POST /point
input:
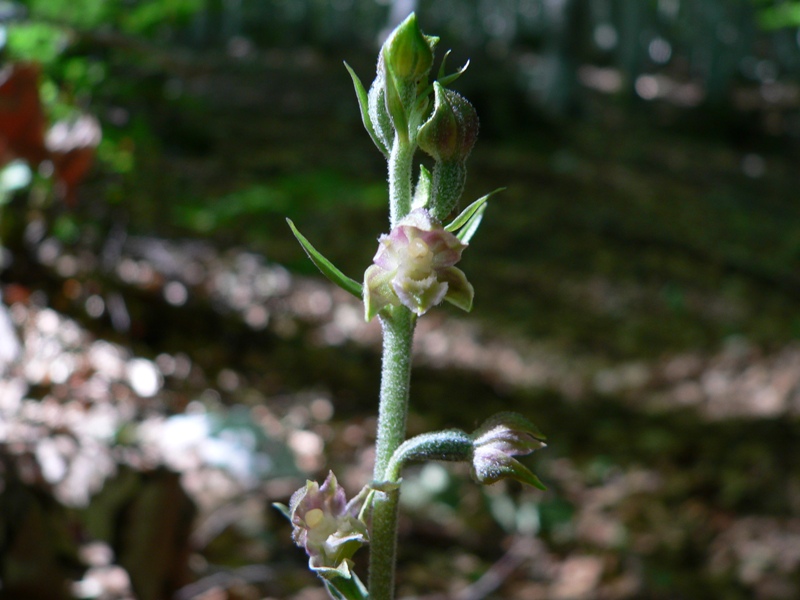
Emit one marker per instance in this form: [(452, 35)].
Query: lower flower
[(326, 526)]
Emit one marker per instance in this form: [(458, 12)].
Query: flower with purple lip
[(326, 526), (414, 266)]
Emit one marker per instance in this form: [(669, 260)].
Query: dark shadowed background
[(172, 363)]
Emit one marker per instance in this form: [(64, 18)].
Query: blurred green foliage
[(775, 15), (541, 43), (320, 193)]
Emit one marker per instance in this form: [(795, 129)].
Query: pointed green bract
[(363, 103), (448, 79), (325, 266), (462, 219), (466, 232)]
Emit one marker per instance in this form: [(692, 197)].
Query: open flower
[(497, 441), (414, 267), (326, 526)]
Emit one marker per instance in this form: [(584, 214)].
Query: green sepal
[(466, 224), (441, 74), (378, 291), (363, 104), (394, 105), (524, 475), (325, 266), (283, 509), (448, 79), (442, 79), (344, 587), (460, 292)]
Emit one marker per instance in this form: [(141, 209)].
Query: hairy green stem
[(398, 335), (400, 162)]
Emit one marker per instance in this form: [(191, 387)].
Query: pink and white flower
[(414, 267)]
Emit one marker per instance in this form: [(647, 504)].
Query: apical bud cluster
[(397, 112)]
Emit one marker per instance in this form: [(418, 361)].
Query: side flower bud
[(497, 441), (414, 267), (452, 129), (326, 527), (448, 136)]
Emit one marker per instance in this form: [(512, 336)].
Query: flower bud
[(414, 267), (326, 526), (450, 132), (408, 52), (495, 443)]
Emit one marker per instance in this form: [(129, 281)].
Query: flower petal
[(459, 291), (378, 291), (419, 295)]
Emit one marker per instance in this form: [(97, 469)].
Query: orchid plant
[(413, 271)]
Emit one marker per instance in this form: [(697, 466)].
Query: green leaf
[(325, 266), (363, 104), (470, 218)]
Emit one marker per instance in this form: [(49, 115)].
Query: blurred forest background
[(171, 362)]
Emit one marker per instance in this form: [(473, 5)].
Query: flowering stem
[(398, 336), (398, 333), (400, 162)]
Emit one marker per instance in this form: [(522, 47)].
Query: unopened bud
[(450, 132), (408, 52)]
